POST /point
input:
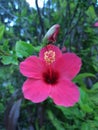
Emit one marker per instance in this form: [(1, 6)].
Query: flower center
[(51, 77), (49, 56)]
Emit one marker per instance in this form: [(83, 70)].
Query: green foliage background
[(21, 32)]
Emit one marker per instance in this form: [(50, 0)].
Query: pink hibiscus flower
[(50, 75), (96, 24)]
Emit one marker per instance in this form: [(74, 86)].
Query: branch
[(40, 114), (7, 11), (70, 30), (74, 14), (40, 18)]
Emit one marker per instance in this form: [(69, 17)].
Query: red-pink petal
[(65, 93), (32, 67), (68, 65), (35, 90), (57, 51)]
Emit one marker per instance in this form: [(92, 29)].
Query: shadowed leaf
[(14, 115), (13, 110)]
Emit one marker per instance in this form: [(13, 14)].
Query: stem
[(40, 114), (40, 18)]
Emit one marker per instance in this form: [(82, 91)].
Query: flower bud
[(96, 24), (63, 49), (52, 33)]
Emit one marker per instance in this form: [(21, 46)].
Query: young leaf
[(11, 59), (79, 77), (2, 28), (23, 49), (56, 123), (84, 102), (13, 115)]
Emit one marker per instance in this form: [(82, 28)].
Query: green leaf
[(11, 59), (1, 107), (10, 89), (2, 28), (23, 49), (94, 93), (81, 76), (71, 112), (95, 60), (95, 86), (91, 12), (4, 49), (96, 118), (84, 102), (89, 125), (56, 123), (37, 48), (80, 79), (85, 126)]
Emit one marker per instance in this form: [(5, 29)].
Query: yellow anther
[(49, 56)]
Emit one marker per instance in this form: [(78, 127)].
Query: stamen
[(49, 56)]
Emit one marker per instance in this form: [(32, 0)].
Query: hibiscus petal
[(57, 51), (35, 90), (32, 67), (65, 93), (69, 65)]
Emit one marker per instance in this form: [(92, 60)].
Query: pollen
[(49, 56)]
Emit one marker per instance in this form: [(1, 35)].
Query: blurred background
[(22, 28)]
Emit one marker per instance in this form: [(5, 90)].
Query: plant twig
[(40, 18), (7, 11), (70, 30)]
